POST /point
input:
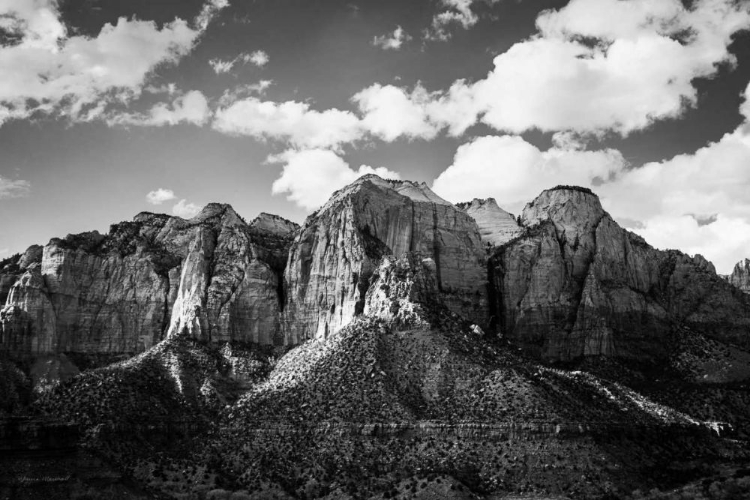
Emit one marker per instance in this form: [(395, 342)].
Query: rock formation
[(496, 226), (335, 254), (575, 284), (213, 277), (566, 283), (740, 276)]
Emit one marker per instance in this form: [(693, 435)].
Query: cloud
[(185, 210), (159, 196), (390, 112), (310, 177), (696, 202), (459, 12), (392, 41), (608, 65), (14, 188), (514, 172), (191, 107), (290, 121), (51, 72), (259, 58), (220, 66)]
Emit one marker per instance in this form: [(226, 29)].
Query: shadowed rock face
[(577, 284), (740, 276), (336, 253), (213, 277)]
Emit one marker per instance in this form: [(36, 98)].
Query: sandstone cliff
[(496, 226), (575, 284), (740, 276), (336, 253), (213, 277)]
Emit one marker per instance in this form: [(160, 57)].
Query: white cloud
[(669, 198), (291, 121), (185, 210), (392, 41), (310, 177), (220, 66), (390, 112), (51, 72), (459, 12), (259, 58), (14, 189), (514, 172), (189, 108), (159, 196), (696, 202), (641, 68)]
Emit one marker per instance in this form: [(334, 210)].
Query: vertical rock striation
[(740, 276), (335, 254), (213, 277), (576, 284)]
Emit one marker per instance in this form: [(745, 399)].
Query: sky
[(108, 109)]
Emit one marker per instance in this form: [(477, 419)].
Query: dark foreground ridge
[(395, 346)]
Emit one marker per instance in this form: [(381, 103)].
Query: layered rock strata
[(335, 254)]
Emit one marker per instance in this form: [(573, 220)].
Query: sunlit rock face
[(334, 256), (740, 276), (213, 277), (577, 284), (496, 226)]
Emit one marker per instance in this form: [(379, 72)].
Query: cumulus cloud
[(392, 41), (191, 107), (514, 171), (185, 210), (595, 66), (696, 202), (47, 70), (310, 177), (608, 65), (390, 112), (159, 196), (14, 188), (290, 121)]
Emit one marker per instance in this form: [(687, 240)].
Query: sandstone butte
[(563, 282)]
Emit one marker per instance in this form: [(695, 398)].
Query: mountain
[(740, 276), (394, 346)]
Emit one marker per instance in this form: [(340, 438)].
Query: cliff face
[(496, 226), (568, 282), (740, 276), (336, 253), (576, 283), (213, 277)]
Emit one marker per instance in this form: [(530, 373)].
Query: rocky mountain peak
[(496, 226), (572, 209), (740, 276), (274, 224)]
